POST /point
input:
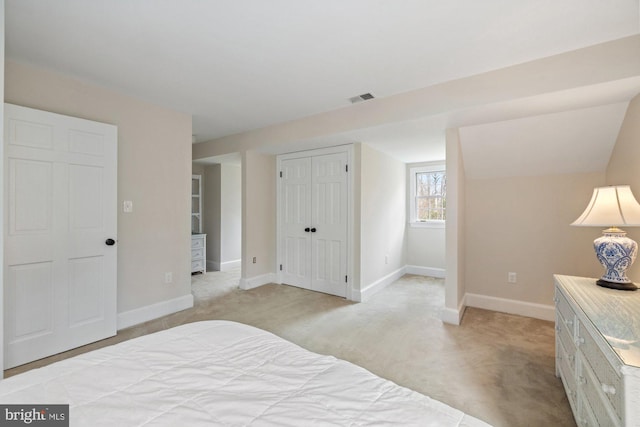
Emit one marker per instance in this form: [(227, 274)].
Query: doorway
[(220, 210)]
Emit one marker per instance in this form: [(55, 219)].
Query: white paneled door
[(295, 211), (313, 222), (60, 233)]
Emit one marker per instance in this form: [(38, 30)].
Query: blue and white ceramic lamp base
[(616, 252)]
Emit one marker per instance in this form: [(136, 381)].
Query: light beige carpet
[(497, 367)]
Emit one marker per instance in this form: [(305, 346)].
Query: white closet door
[(329, 219), (313, 222), (60, 209), (295, 209)]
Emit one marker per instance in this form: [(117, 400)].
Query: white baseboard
[(425, 271), (378, 285), (153, 311), (254, 282), (366, 293), (522, 308), (223, 266), (453, 316), (228, 265)]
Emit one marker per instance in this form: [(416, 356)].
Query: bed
[(220, 373)]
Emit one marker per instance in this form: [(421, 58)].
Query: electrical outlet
[(127, 206), (254, 260), (168, 277), (512, 277)]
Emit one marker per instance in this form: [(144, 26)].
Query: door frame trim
[(349, 150)]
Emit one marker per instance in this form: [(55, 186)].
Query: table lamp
[(612, 207)]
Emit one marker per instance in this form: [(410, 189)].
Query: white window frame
[(413, 170)]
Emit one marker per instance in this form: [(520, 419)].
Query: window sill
[(427, 224)]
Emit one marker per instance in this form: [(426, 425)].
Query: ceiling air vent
[(360, 98)]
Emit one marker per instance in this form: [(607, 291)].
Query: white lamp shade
[(611, 206)]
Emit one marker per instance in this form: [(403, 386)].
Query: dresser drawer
[(605, 377), (566, 338), (586, 417), (592, 390), (197, 242), (566, 311), (566, 365), (197, 265), (197, 253)]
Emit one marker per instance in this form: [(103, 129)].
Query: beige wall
[(211, 218), (154, 171), (624, 167), (521, 225), (383, 199), (222, 214), (230, 213), (197, 169), (455, 238), (426, 247), (258, 214)]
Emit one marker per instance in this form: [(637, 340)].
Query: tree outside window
[(431, 191), (427, 195)]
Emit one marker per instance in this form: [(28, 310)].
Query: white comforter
[(220, 373)]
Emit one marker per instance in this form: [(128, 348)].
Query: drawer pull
[(609, 389), (555, 300), (582, 380), (558, 328), (579, 341), (569, 322)]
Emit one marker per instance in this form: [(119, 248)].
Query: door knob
[(306, 230), (313, 230), (110, 242)]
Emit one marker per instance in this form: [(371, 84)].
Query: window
[(428, 198)]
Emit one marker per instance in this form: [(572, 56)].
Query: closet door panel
[(329, 218), (295, 211)]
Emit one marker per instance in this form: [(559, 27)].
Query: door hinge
[(345, 279), (280, 174), (346, 168), (280, 267)]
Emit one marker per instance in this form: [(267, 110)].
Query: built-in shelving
[(196, 204)]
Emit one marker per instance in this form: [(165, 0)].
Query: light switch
[(127, 206)]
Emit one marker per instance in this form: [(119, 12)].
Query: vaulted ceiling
[(238, 66)]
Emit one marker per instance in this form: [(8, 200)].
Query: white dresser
[(198, 253), (598, 351)]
